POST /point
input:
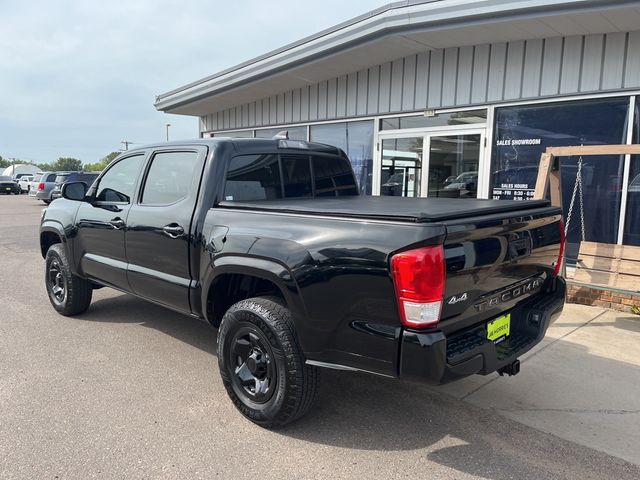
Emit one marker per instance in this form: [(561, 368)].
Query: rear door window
[(169, 177)]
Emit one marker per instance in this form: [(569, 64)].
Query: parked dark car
[(8, 186), (62, 178), (270, 241)]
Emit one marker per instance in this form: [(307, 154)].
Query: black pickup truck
[(269, 241)]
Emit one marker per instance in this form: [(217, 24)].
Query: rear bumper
[(435, 359)]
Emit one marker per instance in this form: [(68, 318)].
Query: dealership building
[(454, 98)]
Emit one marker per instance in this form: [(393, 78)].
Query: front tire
[(261, 364), (68, 293)]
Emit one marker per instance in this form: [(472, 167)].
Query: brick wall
[(584, 295)]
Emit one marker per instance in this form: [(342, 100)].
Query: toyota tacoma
[(270, 241)]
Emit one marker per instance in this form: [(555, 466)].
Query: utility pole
[(168, 125), (126, 144)]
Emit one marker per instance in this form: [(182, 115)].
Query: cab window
[(169, 178), (118, 183)]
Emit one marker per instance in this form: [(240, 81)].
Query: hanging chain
[(577, 188)]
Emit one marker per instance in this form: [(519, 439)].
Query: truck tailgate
[(495, 262)]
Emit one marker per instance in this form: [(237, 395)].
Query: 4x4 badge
[(453, 300)]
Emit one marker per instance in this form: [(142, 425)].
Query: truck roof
[(415, 210), (248, 145)]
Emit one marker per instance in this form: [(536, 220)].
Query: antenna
[(283, 135)]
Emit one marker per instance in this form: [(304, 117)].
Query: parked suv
[(33, 186), (45, 186), (63, 178)]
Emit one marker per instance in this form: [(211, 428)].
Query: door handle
[(117, 223), (173, 230)]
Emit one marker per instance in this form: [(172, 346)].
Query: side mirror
[(74, 191)]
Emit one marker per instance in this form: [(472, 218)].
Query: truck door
[(159, 227), (101, 224)]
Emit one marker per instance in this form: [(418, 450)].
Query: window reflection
[(524, 132), (401, 167), (356, 140)]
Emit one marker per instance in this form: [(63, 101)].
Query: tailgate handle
[(519, 248)]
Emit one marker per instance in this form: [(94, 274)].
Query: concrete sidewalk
[(582, 383)]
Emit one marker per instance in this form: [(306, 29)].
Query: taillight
[(41, 186), (419, 276), (563, 240)]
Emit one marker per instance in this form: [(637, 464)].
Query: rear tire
[(261, 364), (68, 293)]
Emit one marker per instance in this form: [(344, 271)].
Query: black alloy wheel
[(261, 363), (68, 293), (56, 285), (253, 363)]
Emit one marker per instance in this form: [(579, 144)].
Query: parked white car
[(33, 187), (25, 183)]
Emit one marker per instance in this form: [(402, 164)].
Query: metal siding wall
[(632, 71), (434, 90), (397, 72), (362, 92), (480, 80), (571, 60), (497, 65), (453, 77), (532, 68), (409, 83), (592, 63), (613, 61), (551, 66), (422, 79), (374, 90), (297, 109), (341, 97), (304, 104), (450, 71), (352, 94), (513, 72), (465, 74)]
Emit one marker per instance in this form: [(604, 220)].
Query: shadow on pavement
[(367, 412), (124, 308)]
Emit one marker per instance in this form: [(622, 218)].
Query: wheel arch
[(50, 235), (235, 278)]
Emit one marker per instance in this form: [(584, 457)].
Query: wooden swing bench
[(599, 265)]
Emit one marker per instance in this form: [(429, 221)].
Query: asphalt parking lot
[(130, 390)]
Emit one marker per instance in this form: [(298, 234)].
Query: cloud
[(78, 77)]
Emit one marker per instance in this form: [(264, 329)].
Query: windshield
[(4, 178)]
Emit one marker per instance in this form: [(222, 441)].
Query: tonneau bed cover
[(415, 210)]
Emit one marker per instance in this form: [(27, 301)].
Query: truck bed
[(412, 210)]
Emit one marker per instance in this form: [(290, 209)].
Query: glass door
[(430, 164), (453, 165), (401, 171)]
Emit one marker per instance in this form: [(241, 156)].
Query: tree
[(68, 164), (4, 163), (101, 164)]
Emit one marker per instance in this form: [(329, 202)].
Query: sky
[(79, 77)]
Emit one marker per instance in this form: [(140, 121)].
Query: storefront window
[(295, 133), (523, 133), (441, 120), (632, 220), (356, 139)]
